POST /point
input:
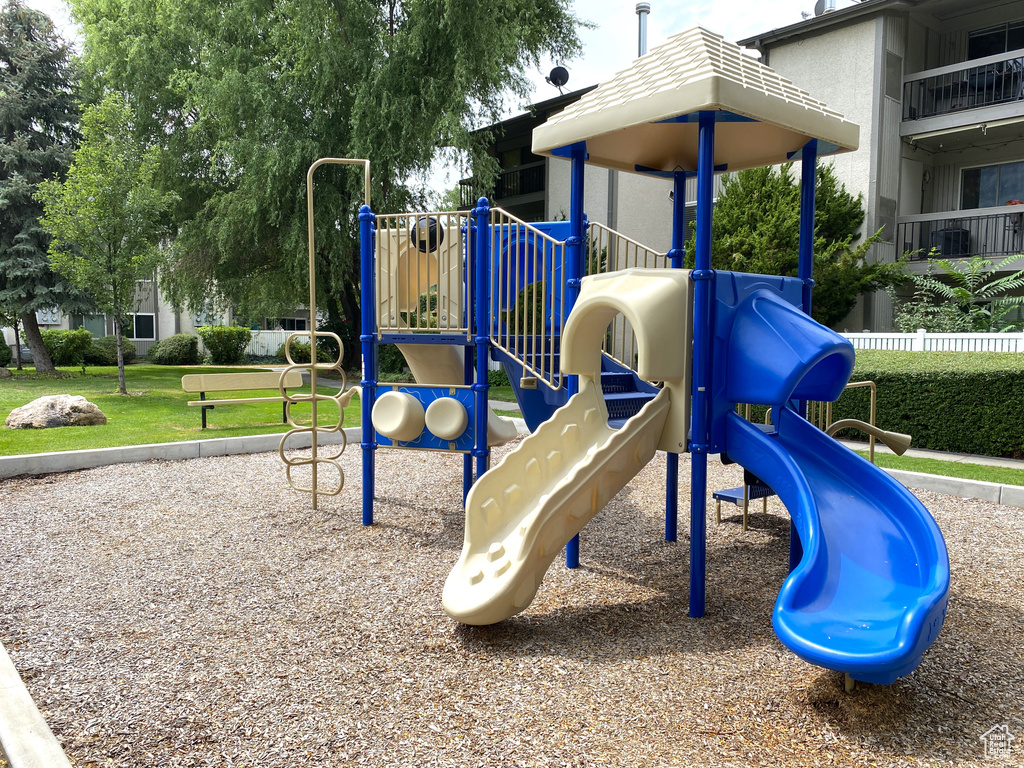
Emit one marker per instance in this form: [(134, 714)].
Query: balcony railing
[(988, 232), (521, 180), (986, 82)]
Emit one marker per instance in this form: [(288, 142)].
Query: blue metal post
[(367, 336), (482, 337), (467, 378), (805, 271), (703, 277), (676, 257), (574, 274), (808, 183)]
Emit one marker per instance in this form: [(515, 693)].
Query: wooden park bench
[(204, 383)]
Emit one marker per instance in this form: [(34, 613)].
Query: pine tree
[(756, 224), (38, 115)]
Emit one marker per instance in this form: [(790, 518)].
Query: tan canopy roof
[(645, 118)]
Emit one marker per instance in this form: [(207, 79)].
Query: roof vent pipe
[(824, 6), (642, 10)]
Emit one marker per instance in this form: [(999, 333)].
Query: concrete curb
[(69, 461), (25, 738), (1011, 495)]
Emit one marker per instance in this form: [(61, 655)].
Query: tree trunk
[(349, 301), (40, 357), (17, 341), (119, 335)]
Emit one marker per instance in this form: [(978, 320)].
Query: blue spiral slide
[(868, 595)]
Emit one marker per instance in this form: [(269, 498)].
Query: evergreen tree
[(38, 115), (756, 225)]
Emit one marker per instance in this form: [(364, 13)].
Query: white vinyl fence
[(922, 341), (265, 343)]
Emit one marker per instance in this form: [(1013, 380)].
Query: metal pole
[(574, 269), (703, 276), (676, 257), (368, 338), (805, 271), (482, 337), (808, 182), (467, 378)]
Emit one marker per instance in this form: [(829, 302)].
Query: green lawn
[(155, 410), (1002, 475)]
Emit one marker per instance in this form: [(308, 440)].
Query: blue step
[(625, 405), (612, 382)]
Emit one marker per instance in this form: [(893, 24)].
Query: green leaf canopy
[(244, 95)]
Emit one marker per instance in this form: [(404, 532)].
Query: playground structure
[(616, 352)]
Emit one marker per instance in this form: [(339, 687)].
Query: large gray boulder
[(56, 411)]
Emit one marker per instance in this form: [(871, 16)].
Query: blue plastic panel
[(731, 289), (427, 441)]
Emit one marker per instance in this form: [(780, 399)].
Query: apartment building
[(937, 87)]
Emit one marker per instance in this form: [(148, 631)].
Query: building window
[(286, 324), (992, 185), (94, 324), (142, 327), (690, 215), (995, 40)]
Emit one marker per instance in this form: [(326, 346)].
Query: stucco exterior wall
[(595, 193), (644, 210), (839, 68), (639, 206)]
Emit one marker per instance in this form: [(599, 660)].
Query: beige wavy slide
[(567, 471), (522, 512)]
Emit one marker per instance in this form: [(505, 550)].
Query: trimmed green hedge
[(103, 351), (962, 402), (225, 343), (179, 349), (66, 348), (300, 353)]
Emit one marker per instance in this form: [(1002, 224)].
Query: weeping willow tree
[(244, 95)]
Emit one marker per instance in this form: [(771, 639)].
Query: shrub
[(179, 349), (498, 378), (300, 353), (962, 402), (6, 355), (103, 351), (390, 360), (225, 343), (67, 348)]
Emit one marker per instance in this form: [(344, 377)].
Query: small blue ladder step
[(752, 488)]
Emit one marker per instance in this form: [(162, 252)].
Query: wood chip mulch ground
[(200, 613)]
